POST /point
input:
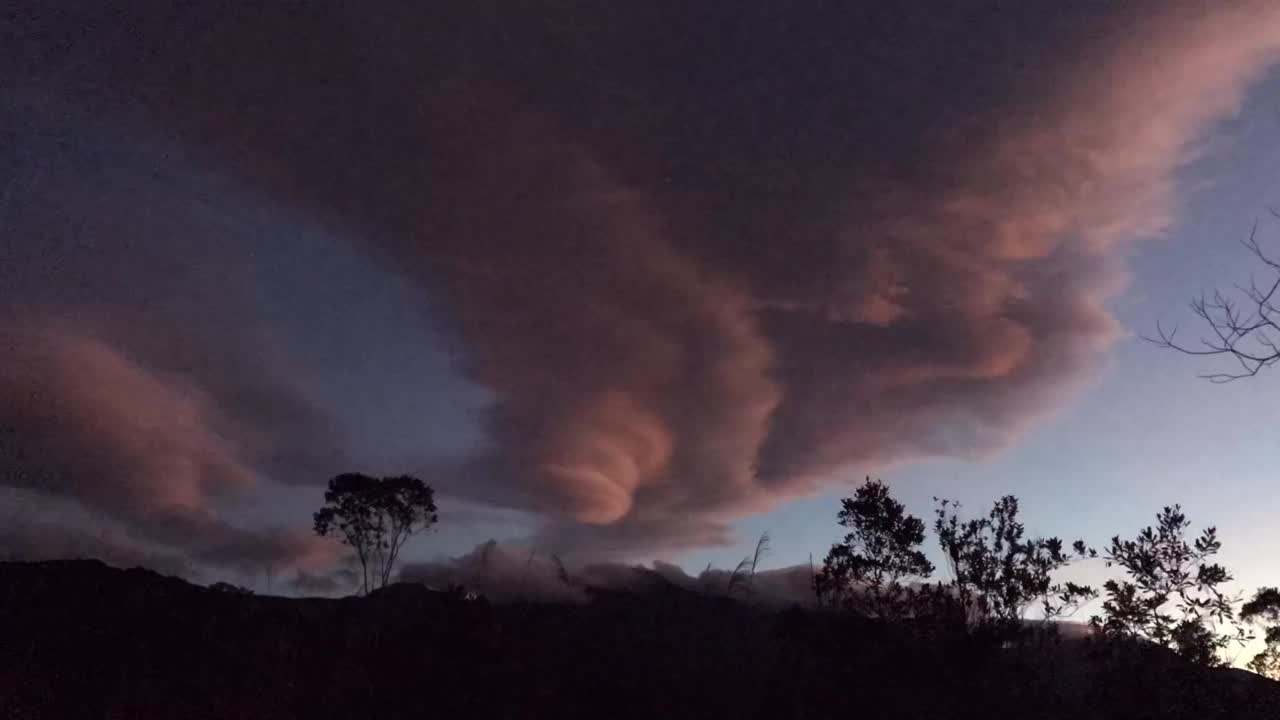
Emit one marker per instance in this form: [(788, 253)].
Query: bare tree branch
[(1244, 328)]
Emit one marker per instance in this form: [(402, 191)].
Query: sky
[(623, 283)]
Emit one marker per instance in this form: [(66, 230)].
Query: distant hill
[(81, 639)]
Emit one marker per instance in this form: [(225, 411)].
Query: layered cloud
[(140, 393), (98, 427), (85, 423), (960, 304), (701, 262)]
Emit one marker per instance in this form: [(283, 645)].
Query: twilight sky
[(622, 282)]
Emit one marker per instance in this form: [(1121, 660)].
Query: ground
[(81, 639)]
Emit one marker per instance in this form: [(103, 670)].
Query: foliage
[(1173, 596), (622, 655), (1264, 609), (745, 573), (999, 573), (867, 570), (227, 588), (376, 517)]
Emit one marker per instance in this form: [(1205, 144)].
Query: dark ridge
[(82, 639)]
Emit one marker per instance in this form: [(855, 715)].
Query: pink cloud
[(89, 424), (693, 287)]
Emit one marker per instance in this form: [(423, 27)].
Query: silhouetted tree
[(1264, 609), (376, 517), (1173, 596), (1243, 328), (867, 570), (999, 573)]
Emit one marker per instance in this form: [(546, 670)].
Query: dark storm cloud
[(342, 581), (704, 258), (33, 527), (39, 542)]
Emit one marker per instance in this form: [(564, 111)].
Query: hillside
[(81, 639)]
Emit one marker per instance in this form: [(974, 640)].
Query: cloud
[(34, 528), (83, 422), (500, 572), (36, 524), (961, 306), (512, 573), (140, 386), (340, 581), (703, 266), (270, 550)]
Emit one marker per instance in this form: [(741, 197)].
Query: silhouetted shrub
[(998, 573), (1173, 596), (1264, 609), (868, 569)]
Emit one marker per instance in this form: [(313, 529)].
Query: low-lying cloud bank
[(511, 573)]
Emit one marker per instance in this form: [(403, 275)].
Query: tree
[(999, 573), (1173, 596), (1264, 609), (1244, 328), (376, 517), (867, 570)]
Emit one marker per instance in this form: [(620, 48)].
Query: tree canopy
[(376, 516), (866, 570), (1173, 595), (1264, 609), (999, 572)]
